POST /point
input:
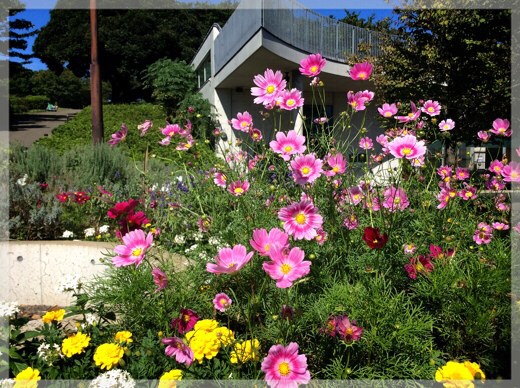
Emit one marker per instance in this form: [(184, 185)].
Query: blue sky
[(38, 12)]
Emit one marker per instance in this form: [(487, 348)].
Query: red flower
[(80, 197), (63, 197), (436, 252), (185, 322), (373, 238), (44, 185), (421, 264), (122, 208)]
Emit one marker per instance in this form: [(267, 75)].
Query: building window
[(204, 71)]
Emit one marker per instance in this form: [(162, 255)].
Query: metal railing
[(295, 25)]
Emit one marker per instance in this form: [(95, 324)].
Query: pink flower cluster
[(186, 140), (270, 91), (344, 328), (423, 264)]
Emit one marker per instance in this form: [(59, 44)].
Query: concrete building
[(278, 34)]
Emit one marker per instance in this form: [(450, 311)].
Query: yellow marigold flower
[(245, 351), (28, 378), (475, 370), (455, 375), (206, 325), (108, 355), (224, 335), (53, 316), (203, 344), (75, 344), (168, 379), (123, 336)]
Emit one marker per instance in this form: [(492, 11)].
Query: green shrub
[(19, 105)]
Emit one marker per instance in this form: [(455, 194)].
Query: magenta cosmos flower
[(395, 199), (301, 220), (357, 100), (407, 147), (312, 65), (160, 279), (511, 172), (412, 116), (119, 136), (220, 179), (287, 145), (185, 322), (418, 265), (387, 110), (264, 242), (501, 127), (483, 234), (175, 347), (285, 268), (222, 302), (290, 99), (268, 87), (284, 367), (366, 143), (337, 164), (144, 127), (347, 329), (243, 122), (238, 188), (306, 169), (432, 108), (361, 71), (134, 250), (484, 136), (446, 125), (230, 260)]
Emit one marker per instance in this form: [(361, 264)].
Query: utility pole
[(95, 79)]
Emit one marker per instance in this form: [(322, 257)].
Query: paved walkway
[(26, 129)]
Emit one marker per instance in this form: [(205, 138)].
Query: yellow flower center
[(270, 89), (239, 190), (335, 169), (284, 368), (388, 114), (232, 264), (255, 135), (501, 129), (397, 201), (223, 302), (244, 124), (349, 331), (286, 268), (469, 194), (137, 252), (287, 148), (266, 248), (375, 241), (514, 174), (430, 109), (314, 69), (410, 114), (446, 126), (353, 103), (290, 102), (406, 151), (186, 318), (223, 177), (306, 170), (362, 75), (300, 218)]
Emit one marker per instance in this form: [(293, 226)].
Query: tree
[(129, 41), (66, 89), (459, 57)]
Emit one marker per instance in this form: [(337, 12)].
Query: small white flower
[(22, 181), (67, 234), (204, 256), (197, 236), (104, 229), (191, 249), (69, 283), (214, 241), (8, 308), (89, 232), (179, 239), (7, 383), (115, 378)]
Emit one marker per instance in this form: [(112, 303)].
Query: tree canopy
[(129, 41), (16, 29)]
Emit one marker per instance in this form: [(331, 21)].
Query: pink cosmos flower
[(511, 172), (284, 267), (462, 173), (337, 164), (409, 249), (496, 166), (268, 87), (444, 171), (361, 71), (290, 99), (312, 65), (263, 242), (134, 250), (407, 147), (185, 145), (243, 122), (287, 145), (395, 199), (160, 279), (175, 347), (443, 197), (284, 367), (387, 110), (468, 192), (348, 330), (166, 141), (355, 195), (301, 220), (484, 136), (416, 265), (483, 234), (321, 236), (144, 127), (357, 100), (238, 188), (501, 127), (255, 134), (446, 125), (366, 143), (119, 136), (412, 116), (436, 252), (351, 222), (230, 260), (495, 183), (220, 180), (306, 169), (222, 302), (500, 226), (171, 130), (432, 108), (185, 322), (368, 95)]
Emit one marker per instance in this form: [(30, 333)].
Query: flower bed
[(297, 268)]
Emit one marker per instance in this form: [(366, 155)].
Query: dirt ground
[(26, 129)]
